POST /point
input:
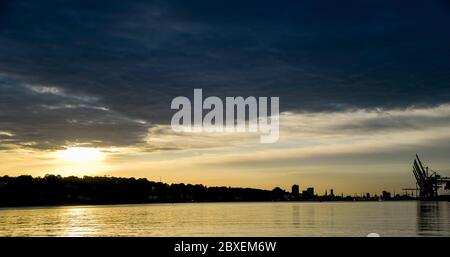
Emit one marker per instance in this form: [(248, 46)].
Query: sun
[(80, 154)]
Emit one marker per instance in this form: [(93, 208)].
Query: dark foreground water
[(231, 219)]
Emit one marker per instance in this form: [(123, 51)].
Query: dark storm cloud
[(45, 117), (126, 60)]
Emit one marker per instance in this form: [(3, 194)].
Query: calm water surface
[(231, 219)]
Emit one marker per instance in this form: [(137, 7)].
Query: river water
[(405, 218)]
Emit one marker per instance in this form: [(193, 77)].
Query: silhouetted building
[(308, 193), (295, 191), (331, 193), (386, 195)]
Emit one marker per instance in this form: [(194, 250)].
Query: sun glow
[(80, 154)]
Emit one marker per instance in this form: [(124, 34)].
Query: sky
[(86, 88)]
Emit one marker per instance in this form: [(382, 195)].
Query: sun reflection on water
[(80, 222)]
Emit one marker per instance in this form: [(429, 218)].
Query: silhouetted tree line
[(57, 190)]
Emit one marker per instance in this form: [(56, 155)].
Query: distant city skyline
[(86, 89)]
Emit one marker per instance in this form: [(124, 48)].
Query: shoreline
[(205, 202)]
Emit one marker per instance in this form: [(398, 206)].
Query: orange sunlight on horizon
[(80, 155)]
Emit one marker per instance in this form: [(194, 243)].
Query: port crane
[(428, 181)]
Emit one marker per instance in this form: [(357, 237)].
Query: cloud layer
[(104, 73)]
